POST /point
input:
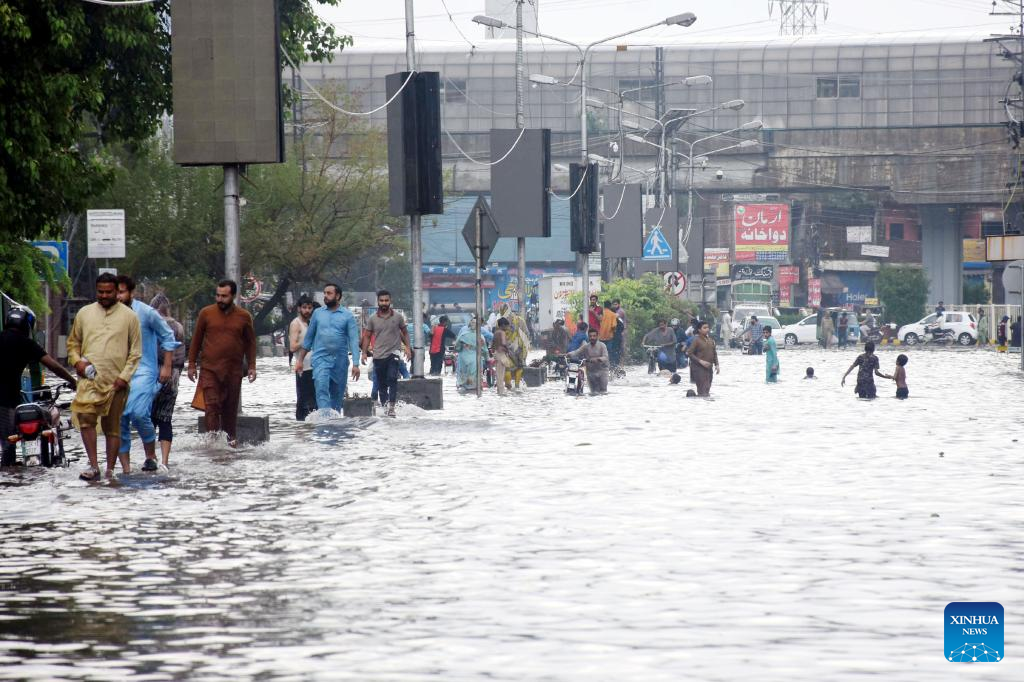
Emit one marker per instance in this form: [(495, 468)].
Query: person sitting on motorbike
[(665, 339), (579, 338), (683, 337), (936, 329), (17, 351)]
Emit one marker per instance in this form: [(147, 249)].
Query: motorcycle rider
[(936, 329), (595, 358), (17, 351), (665, 339)]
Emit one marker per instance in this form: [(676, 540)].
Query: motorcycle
[(449, 360), (40, 421), (654, 361), (933, 335), (575, 376), (557, 368)]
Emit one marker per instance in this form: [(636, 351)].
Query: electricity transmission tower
[(799, 17)]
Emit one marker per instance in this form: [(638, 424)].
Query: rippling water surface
[(786, 532)]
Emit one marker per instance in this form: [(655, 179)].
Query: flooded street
[(786, 532)]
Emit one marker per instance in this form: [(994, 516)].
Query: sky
[(446, 24)]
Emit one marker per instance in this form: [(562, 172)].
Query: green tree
[(78, 77), (903, 290), (976, 293), (645, 302), (303, 221), (311, 220)]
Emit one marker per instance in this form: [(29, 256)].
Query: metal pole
[(520, 124), (479, 306), (232, 268), (415, 224), (585, 157), (689, 215)]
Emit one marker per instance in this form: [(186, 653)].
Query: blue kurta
[(771, 360), (331, 336), (157, 338)]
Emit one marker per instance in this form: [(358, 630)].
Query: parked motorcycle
[(40, 421)]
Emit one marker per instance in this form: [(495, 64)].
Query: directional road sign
[(675, 283), (657, 247), (488, 231)]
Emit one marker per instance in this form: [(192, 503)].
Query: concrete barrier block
[(426, 393), (252, 430), (534, 376), (360, 407)]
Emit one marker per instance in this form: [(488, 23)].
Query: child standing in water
[(900, 377)]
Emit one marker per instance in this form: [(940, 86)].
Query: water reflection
[(775, 532)]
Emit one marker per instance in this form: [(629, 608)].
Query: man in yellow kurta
[(106, 337)]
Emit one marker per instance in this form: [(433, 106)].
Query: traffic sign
[(57, 251), (1013, 282), (489, 233), (657, 247), (675, 283)]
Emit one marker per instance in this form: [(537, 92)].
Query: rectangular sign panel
[(718, 259), (623, 218), (761, 273), (814, 292), (762, 227), (105, 233), (859, 234), (874, 250), (520, 183), (974, 250), (227, 82)]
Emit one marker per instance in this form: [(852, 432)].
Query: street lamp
[(691, 162), (684, 19)]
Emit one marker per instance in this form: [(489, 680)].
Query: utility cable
[(334, 106), (617, 208), (115, 3), (486, 163), (586, 169)]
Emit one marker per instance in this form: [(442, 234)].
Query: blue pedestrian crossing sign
[(657, 247)]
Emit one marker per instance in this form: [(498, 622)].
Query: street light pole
[(684, 19), (415, 224), (520, 124)]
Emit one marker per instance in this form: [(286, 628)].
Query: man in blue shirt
[(158, 344), (579, 338), (331, 336)]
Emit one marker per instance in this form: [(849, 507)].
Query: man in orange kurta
[(224, 344)]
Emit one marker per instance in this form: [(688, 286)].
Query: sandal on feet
[(89, 474)]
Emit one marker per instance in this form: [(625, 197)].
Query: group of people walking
[(128, 357)]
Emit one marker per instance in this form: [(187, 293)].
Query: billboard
[(520, 183), (761, 228), (717, 258), (623, 217), (227, 82)]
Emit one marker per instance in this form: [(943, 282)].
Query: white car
[(804, 331), (964, 327)]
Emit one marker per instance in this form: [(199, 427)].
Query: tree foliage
[(79, 76), (903, 290), (645, 302), (302, 222), (24, 267)]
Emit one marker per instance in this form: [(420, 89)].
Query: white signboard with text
[(106, 233)]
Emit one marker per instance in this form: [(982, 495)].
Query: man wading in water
[(703, 356)]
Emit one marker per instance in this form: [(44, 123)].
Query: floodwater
[(786, 532)]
